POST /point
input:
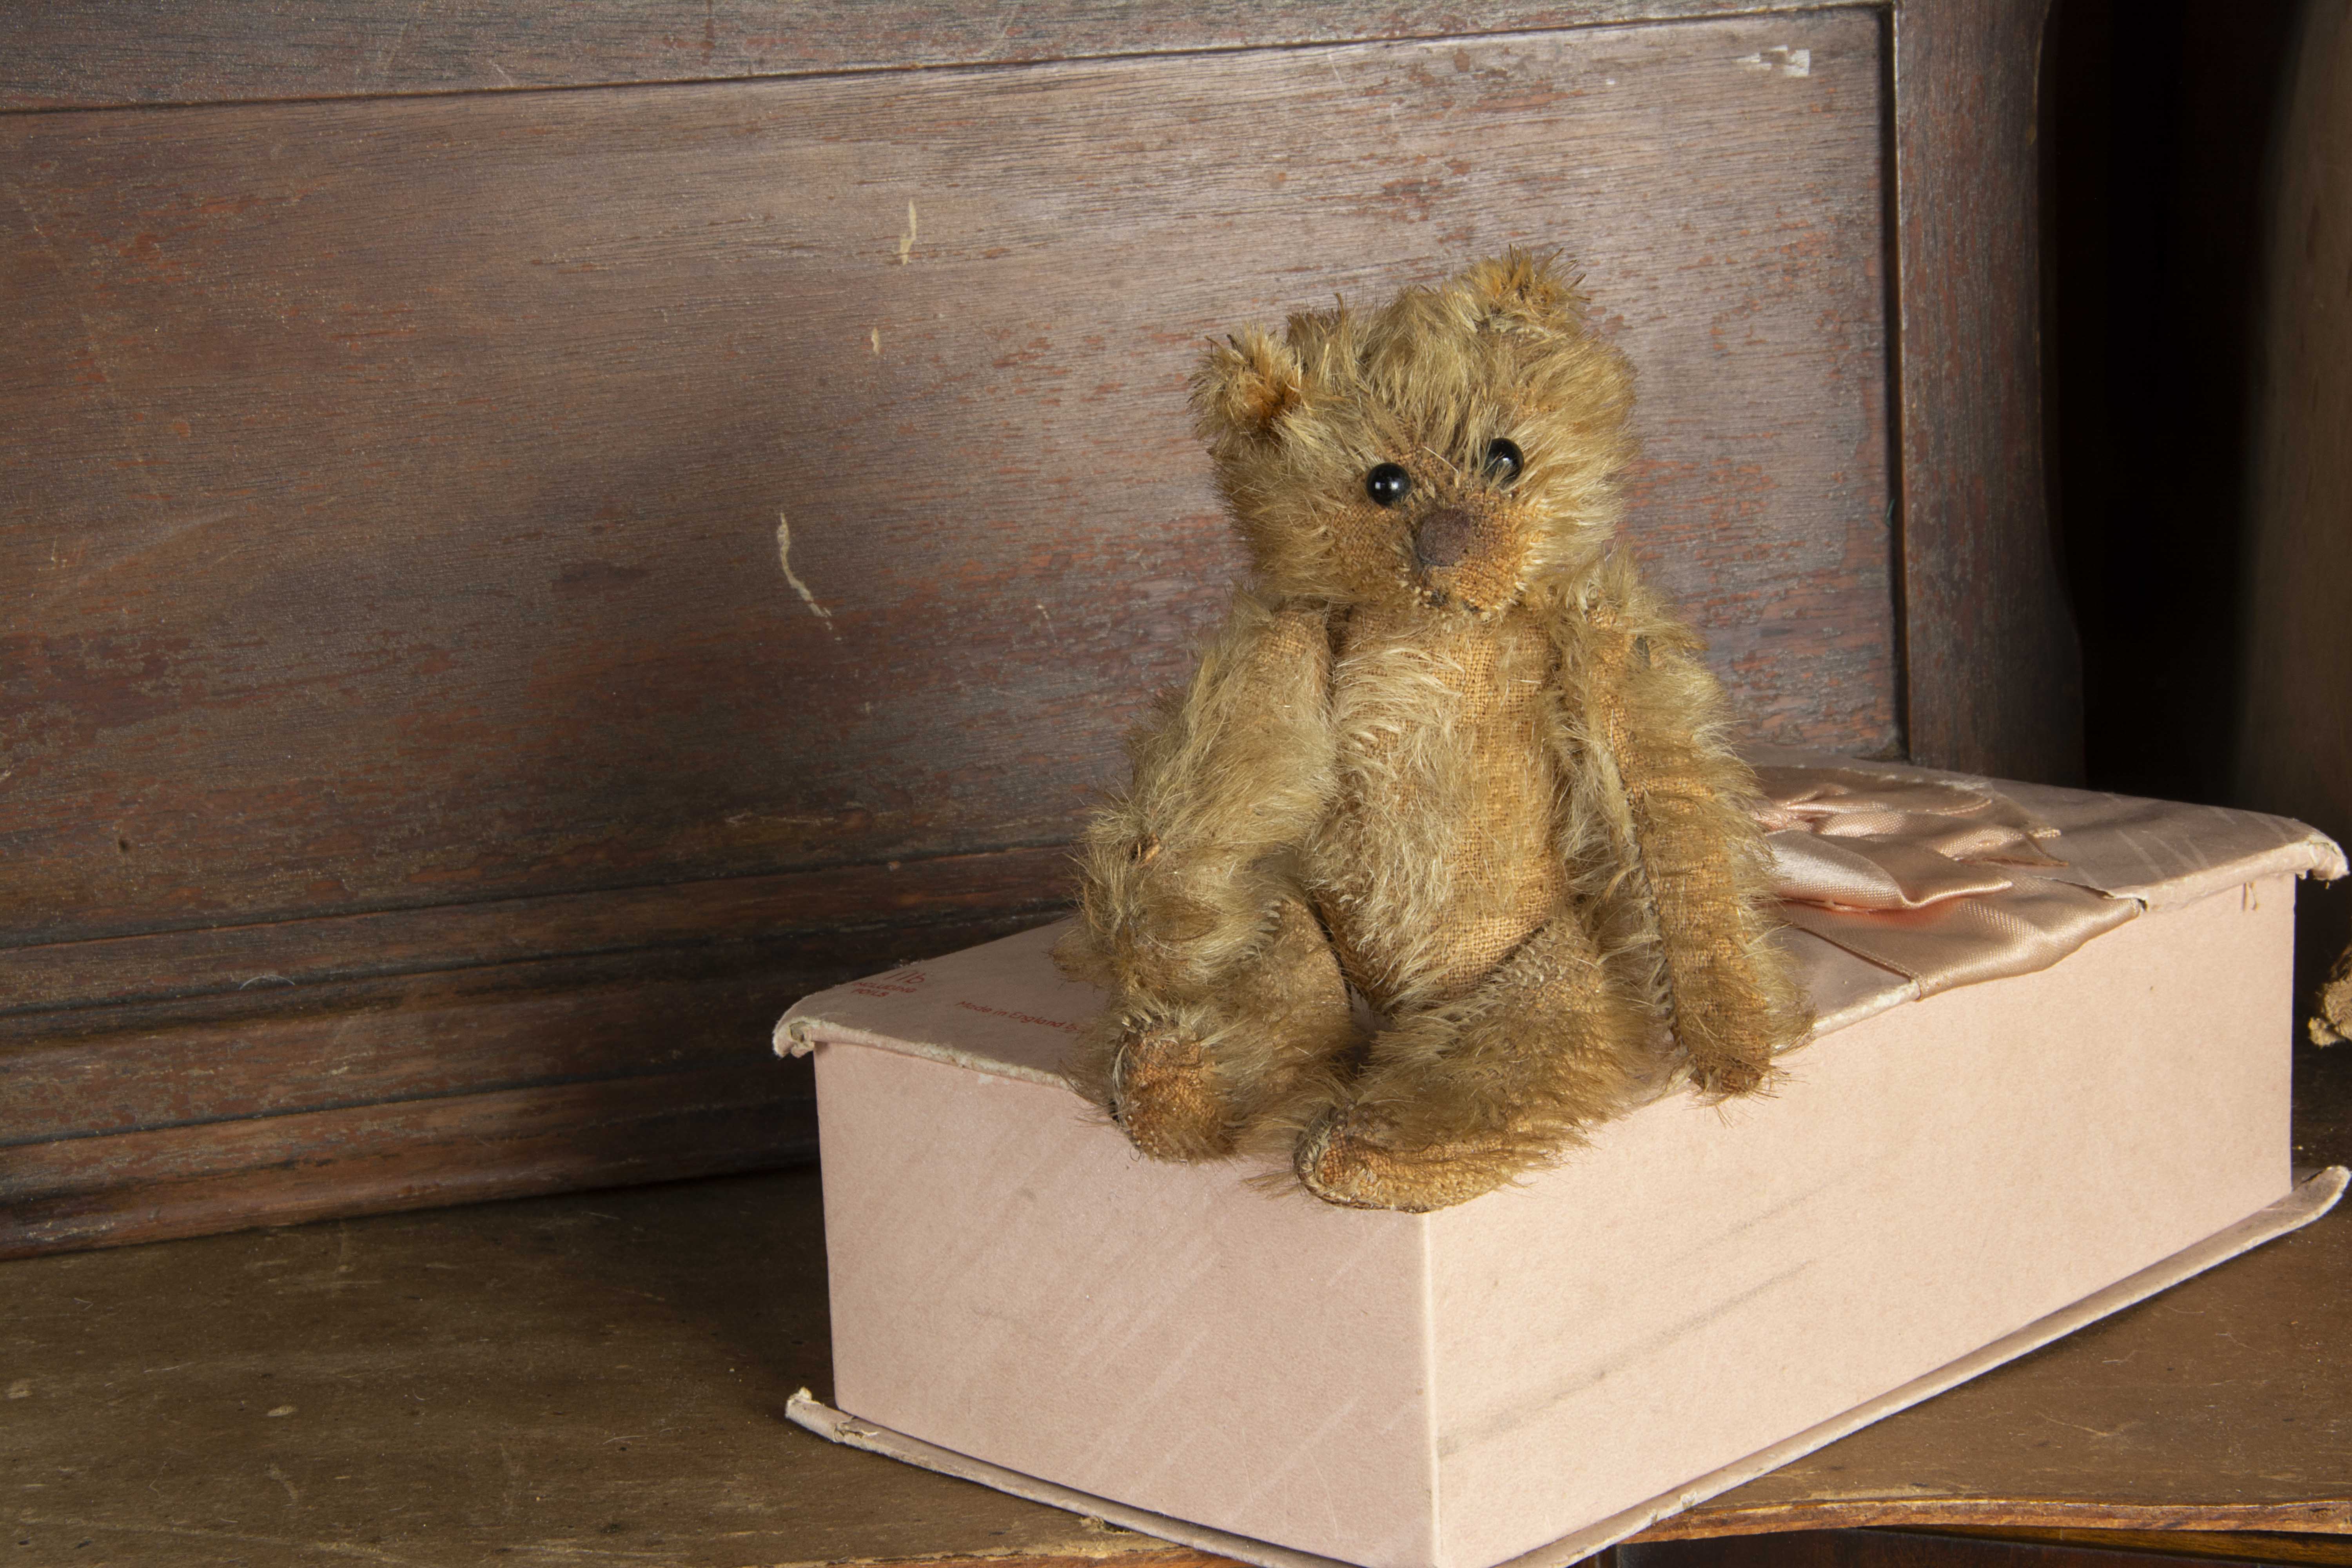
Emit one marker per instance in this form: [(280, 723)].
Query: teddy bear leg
[(1461, 1098), (1193, 1081)]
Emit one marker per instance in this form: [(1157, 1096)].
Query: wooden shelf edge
[(65, 976), (381, 1158), (2260, 1546), (2325, 1518)]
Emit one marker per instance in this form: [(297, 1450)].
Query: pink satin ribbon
[(1924, 876)]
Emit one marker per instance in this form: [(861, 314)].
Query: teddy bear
[(1441, 858)]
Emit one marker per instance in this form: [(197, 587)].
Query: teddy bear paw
[(1164, 1095), (1724, 1079), (1338, 1162)]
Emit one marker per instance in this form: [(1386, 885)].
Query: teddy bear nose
[(1444, 538)]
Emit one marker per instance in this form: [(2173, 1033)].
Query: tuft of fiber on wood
[(1449, 755)]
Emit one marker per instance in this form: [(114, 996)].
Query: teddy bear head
[(1456, 448)]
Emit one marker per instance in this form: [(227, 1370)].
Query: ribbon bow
[(1924, 876)]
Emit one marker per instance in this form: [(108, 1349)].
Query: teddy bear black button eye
[(1503, 460), (1388, 484)]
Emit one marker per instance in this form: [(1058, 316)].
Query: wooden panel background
[(410, 695), (399, 483), (87, 54), (1993, 670)]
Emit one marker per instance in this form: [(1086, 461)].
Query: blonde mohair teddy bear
[(1448, 753)]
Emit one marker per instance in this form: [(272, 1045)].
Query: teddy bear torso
[(1440, 855)]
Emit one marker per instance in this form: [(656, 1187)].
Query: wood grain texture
[(99, 985), (2293, 751), (397, 483), (2240, 1545), (350, 1046), (2295, 1515), (88, 54), (1992, 671), (342, 1095), (1905, 1549), (425, 1153)]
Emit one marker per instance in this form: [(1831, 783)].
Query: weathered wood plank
[(2255, 1546), (842, 907), (371, 1159), (397, 483), (331, 1045), (1993, 674), (88, 54), (2313, 1514), (1925, 1547), (476, 1031)]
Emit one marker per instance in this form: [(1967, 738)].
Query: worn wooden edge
[(377, 1159), (176, 965), (274, 1051), (1992, 671), (90, 54), (418, 1037), (2176, 1541), (1991, 1515), (2005, 1515), (2242, 1546), (2182, 1541)]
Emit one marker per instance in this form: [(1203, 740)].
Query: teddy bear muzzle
[(1444, 538), (1467, 557)]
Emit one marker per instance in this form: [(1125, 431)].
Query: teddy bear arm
[(1226, 999), (1733, 1002), (1179, 876)]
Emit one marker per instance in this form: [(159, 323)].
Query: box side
[(1706, 1281), (1011, 1281)]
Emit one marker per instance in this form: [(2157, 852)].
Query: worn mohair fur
[(1450, 752)]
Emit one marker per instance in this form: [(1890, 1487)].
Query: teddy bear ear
[(1521, 289), (1246, 383)]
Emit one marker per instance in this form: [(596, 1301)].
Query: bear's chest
[(1438, 857)]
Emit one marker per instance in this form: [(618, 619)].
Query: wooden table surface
[(602, 1378)]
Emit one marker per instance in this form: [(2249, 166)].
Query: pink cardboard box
[(1939, 1183)]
